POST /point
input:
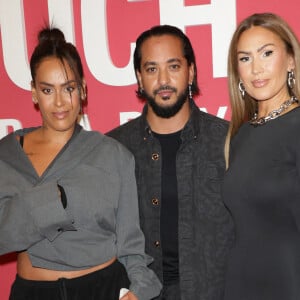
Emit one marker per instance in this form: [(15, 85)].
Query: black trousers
[(104, 284)]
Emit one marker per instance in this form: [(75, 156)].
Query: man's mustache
[(165, 88)]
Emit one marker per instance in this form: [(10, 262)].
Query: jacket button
[(155, 201), (157, 244), (155, 156)]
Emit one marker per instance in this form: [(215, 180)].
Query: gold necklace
[(274, 113)]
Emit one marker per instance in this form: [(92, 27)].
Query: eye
[(47, 91), (174, 67), (150, 69), (244, 58), (268, 53), (70, 89)]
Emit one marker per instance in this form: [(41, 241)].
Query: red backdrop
[(104, 32)]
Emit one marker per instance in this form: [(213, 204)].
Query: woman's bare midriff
[(27, 271)]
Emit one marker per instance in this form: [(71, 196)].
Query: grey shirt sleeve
[(30, 216), (130, 239)]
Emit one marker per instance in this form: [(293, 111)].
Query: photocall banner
[(104, 32)]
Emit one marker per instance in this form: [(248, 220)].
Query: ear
[(291, 63), (191, 73), (83, 90), (33, 93), (139, 79)]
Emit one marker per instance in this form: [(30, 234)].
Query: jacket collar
[(81, 143)]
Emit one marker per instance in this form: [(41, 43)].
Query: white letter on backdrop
[(61, 15), (96, 47), (220, 14), (221, 111), (14, 42), (6, 123), (14, 35), (128, 115)]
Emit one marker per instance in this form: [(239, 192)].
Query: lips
[(60, 115), (259, 83), (165, 94)]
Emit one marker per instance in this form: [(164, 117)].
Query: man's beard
[(166, 111)]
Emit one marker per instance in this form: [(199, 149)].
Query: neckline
[(285, 107), (274, 120), (166, 135)]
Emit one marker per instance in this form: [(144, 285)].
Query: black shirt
[(169, 206)]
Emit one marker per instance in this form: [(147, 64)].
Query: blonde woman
[(262, 183)]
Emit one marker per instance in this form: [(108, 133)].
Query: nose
[(59, 101), (257, 66), (163, 76)]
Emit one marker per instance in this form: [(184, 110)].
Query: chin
[(166, 102)]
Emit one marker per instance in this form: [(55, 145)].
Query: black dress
[(262, 191)]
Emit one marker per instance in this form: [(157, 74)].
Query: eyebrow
[(51, 85), (153, 63), (258, 50)]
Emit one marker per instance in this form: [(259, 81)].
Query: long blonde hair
[(243, 109)]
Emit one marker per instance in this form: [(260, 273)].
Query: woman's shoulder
[(293, 116), (288, 124), (107, 143)]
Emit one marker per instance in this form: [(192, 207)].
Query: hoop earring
[(190, 92), (242, 89), (140, 92), (291, 79)]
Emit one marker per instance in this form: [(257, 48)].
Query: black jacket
[(205, 228)]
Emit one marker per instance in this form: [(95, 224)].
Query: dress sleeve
[(130, 239), (30, 216)]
